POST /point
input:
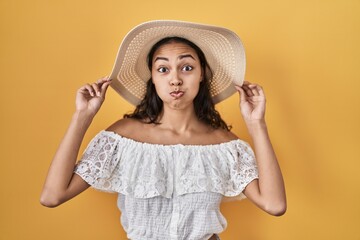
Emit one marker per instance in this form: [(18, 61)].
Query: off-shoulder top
[(168, 191)]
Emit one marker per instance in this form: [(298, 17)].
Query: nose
[(175, 80)]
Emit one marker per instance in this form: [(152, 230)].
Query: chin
[(178, 104)]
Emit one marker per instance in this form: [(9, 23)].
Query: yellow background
[(304, 53)]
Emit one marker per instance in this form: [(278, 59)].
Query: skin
[(178, 65), (176, 75)]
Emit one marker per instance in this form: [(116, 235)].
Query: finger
[(237, 87), (247, 90), (241, 93), (254, 89), (90, 90), (104, 87), (102, 80), (260, 90), (95, 86), (246, 83)]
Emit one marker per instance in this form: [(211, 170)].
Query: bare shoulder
[(224, 135), (126, 127)]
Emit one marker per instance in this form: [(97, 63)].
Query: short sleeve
[(244, 169), (99, 162), (225, 168)]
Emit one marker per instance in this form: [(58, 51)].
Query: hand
[(90, 97), (252, 101)]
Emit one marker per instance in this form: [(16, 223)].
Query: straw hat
[(223, 50)]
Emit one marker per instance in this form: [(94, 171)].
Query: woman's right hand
[(90, 97), (62, 183)]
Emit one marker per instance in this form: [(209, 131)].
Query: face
[(176, 74)]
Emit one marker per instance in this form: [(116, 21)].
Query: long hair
[(150, 107)]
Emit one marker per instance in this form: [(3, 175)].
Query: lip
[(177, 94)]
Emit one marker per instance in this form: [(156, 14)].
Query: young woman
[(173, 159)]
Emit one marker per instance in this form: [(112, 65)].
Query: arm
[(268, 192), (61, 183)]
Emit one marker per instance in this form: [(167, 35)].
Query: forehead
[(175, 48)]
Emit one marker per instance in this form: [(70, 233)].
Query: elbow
[(277, 209), (48, 203), (49, 200), (277, 212)]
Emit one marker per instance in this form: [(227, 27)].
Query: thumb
[(241, 93), (104, 88)]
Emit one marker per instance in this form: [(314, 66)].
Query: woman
[(173, 159)]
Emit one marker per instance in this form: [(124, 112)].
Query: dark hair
[(151, 105)]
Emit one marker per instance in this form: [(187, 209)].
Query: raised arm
[(61, 183), (268, 192)]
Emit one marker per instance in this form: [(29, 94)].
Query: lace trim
[(113, 163)]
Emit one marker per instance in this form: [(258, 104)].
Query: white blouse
[(168, 191)]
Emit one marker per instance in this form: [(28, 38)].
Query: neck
[(179, 121)]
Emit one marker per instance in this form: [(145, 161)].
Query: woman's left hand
[(252, 101)]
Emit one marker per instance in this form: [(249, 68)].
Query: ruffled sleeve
[(113, 163), (225, 168), (99, 162)]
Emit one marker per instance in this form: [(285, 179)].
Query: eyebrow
[(180, 57), (186, 56)]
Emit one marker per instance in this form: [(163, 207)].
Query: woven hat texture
[(223, 50)]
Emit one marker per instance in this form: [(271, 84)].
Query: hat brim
[(223, 50)]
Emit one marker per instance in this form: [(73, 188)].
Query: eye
[(162, 69), (187, 68)]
